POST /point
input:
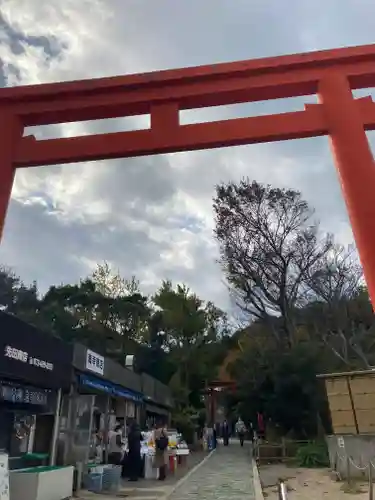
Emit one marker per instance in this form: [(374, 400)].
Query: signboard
[(24, 357), (28, 354), (94, 362), (20, 394)]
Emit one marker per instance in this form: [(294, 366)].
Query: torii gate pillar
[(355, 166)]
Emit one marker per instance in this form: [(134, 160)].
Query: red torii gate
[(331, 74)]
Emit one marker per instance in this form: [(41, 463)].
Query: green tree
[(110, 283), (130, 312), (16, 297), (282, 387), (189, 330), (108, 324)]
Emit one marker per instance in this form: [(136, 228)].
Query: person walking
[(134, 454), (210, 437), (241, 430), (161, 450), (225, 432)]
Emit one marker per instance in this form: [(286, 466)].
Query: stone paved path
[(226, 475)]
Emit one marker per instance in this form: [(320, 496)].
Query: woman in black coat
[(134, 454)]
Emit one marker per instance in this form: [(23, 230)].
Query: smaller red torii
[(331, 74)]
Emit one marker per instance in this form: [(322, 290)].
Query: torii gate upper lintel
[(331, 74)]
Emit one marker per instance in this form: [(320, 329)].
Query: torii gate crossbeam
[(331, 74)]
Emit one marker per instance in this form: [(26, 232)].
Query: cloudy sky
[(152, 216)]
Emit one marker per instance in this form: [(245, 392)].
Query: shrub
[(312, 455), (184, 424)]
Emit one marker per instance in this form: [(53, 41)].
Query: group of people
[(240, 429), (132, 461), (224, 431)]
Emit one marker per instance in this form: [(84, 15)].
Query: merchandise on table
[(177, 452), (176, 444)]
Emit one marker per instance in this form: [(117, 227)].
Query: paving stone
[(226, 475)]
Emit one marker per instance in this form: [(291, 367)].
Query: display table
[(182, 454), (177, 454), (41, 483), (150, 472)]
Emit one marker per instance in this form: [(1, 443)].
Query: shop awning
[(109, 388), (156, 409)]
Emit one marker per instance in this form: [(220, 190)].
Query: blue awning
[(109, 388)]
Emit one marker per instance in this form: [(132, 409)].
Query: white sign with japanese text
[(24, 357), (94, 362)]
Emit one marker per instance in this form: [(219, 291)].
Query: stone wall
[(358, 450)]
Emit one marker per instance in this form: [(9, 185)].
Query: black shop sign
[(11, 392), (28, 354)]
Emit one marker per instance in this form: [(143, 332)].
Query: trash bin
[(93, 482), (112, 478)]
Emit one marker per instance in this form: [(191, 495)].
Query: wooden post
[(11, 131), (106, 428), (283, 447), (352, 405), (348, 478), (370, 485), (56, 428)]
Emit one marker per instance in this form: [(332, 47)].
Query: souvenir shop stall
[(104, 394), (156, 408), (35, 372), (156, 402)]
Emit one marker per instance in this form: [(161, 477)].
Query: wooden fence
[(283, 451)]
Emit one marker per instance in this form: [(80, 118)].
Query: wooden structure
[(212, 396), (330, 74), (223, 384), (351, 399)]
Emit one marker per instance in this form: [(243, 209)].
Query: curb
[(257, 484), (186, 477)]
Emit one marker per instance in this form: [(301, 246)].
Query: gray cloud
[(152, 216)]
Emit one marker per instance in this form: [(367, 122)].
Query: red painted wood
[(332, 74)]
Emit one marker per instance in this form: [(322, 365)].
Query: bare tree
[(268, 243), (336, 275), (342, 317)]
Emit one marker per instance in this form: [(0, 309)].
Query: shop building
[(157, 401), (103, 393), (58, 400), (35, 372)]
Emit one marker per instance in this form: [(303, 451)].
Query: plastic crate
[(112, 478), (93, 482)]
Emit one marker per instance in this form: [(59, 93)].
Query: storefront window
[(82, 433), (130, 409), (20, 434)]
